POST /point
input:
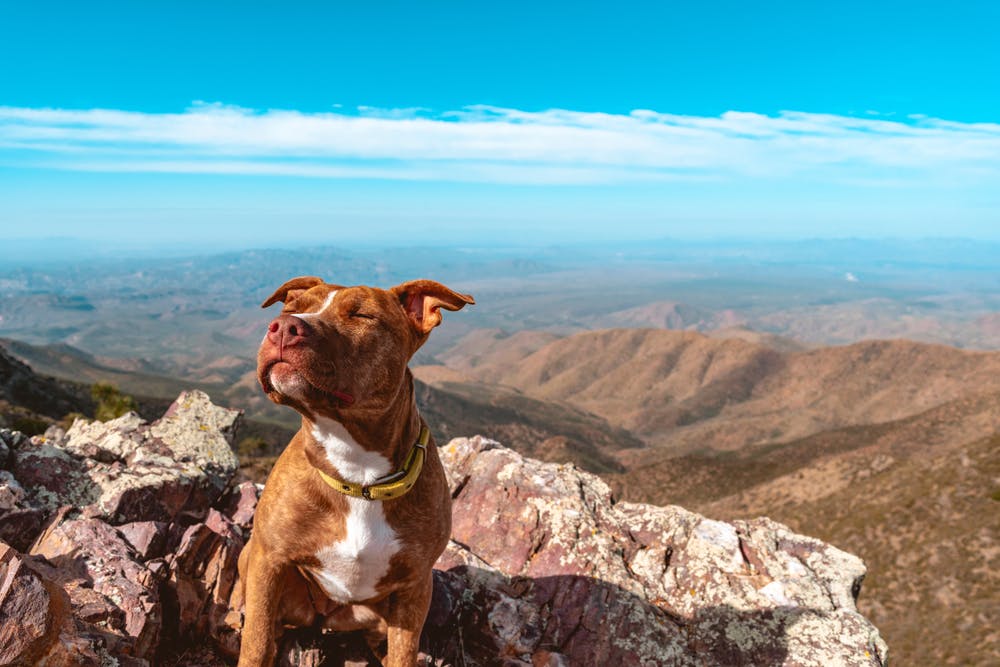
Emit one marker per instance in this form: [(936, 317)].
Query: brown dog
[(356, 510)]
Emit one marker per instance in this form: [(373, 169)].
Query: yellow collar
[(391, 486)]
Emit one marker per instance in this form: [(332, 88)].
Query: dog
[(356, 509)]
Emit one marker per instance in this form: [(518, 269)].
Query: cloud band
[(490, 144)]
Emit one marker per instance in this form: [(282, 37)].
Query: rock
[(306, 648), (9, 440), (27, 610), (114, 440), (196, 430), (140, 550), (20, 521), (126, 471), (240, 504), (202, 574), (11, 492), (148, 538), (105, 582), (546, 567), (36, 626), (19, 527)]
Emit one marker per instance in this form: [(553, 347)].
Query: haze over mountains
[(849, 388), (170, 309)]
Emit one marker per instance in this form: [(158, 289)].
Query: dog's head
[(335, 348)]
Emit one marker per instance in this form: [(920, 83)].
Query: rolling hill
[(682, 391)]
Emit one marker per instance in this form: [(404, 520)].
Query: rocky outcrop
[(545, 568), (126, 470), (139, 530), (100, 514)]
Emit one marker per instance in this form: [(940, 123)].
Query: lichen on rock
[(624, 583), (134, 532)]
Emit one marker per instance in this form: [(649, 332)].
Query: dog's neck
[(363, 444)]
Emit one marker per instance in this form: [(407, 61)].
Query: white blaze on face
[(350, 569), (326, 304)]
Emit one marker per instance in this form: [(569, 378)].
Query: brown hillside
[(683, 391), (495, 347), (775, 342), (927, 526), (810, 468), (637, 378), (546, 430)]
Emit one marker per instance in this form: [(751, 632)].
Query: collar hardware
[(395, 485)]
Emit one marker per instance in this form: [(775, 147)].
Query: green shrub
[(111, 403), (28, 425)]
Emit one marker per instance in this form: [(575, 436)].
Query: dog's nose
[(288, 331)]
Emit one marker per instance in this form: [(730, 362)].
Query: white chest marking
[(326, 304), (350, 568)]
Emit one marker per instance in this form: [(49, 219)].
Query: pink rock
[(36, 626), (239, 504), (93, 558), (203, 572), (148, 538), (27, 610)]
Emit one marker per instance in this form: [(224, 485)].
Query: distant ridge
[(682, 391)]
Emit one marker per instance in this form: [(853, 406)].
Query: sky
[(324, 122)]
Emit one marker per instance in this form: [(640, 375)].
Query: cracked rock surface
[(125, 470), (553, 571), (119, 543)]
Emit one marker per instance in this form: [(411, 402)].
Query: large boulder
[(37, 623), (125, 470), (106, 583), (545, 568)]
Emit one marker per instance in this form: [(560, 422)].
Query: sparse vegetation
[(252, 446), (111, 403), (19, 418), (28, 425)]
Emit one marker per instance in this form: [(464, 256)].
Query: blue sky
[(434, 121)]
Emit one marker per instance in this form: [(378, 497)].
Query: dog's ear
[(291, 289), (422, 300)]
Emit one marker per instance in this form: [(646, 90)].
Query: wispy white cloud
[(491, 144)]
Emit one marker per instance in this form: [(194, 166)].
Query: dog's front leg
[(406, 616), (261, 595)]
